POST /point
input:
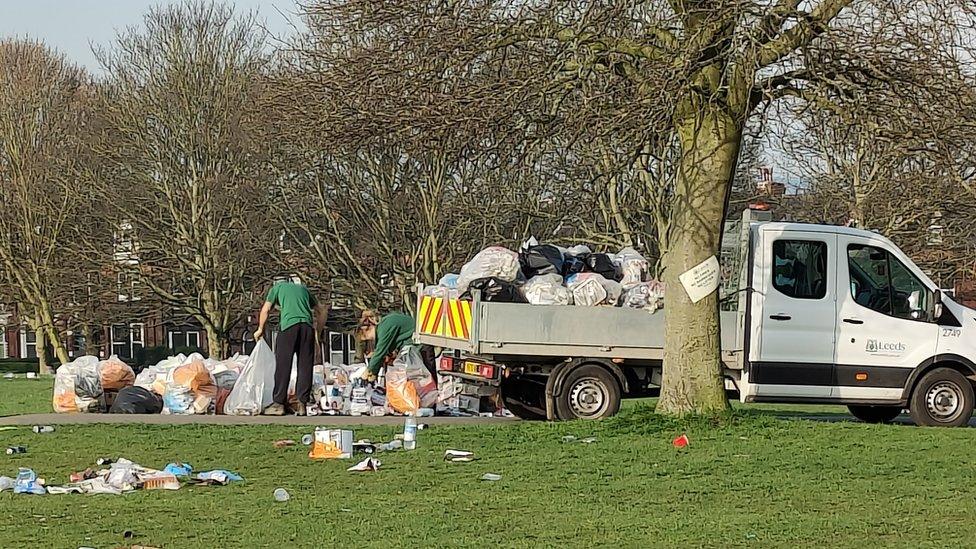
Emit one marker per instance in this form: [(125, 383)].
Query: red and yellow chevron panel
[(449, 318)]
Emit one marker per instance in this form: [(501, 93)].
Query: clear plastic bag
[(646, 295), (409, 385), (255, 387), (115, 374), (194, 379), (632, 265), (547, 290), (77, 386), (495, 261)]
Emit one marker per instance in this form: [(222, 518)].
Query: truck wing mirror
[(937, 305)]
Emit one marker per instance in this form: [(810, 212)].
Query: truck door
[(798, 315), (884, 330)]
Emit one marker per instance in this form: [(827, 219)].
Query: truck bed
[(500, 331)]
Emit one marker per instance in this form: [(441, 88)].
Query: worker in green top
[(394, 332), (298, 325)]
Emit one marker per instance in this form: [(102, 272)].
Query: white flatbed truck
[(821, 315)]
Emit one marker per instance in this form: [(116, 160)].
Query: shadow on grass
[(641, 417)]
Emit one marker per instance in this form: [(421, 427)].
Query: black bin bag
[(542, 259), (495, 289), (136, 400)]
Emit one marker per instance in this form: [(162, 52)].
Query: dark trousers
[(298, 339)]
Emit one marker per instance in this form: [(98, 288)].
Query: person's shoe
[(274, 410), (300, 410)]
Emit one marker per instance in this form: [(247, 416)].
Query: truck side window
[(800, 268), (879, 281)]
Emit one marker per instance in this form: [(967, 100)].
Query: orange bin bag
[(64, 403), (195, 377), (116, 374), (401, 393)]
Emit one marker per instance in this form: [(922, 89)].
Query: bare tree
[(187, 176), (44, 113), (689, 74)]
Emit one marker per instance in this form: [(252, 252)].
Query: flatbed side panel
[(558, 330)]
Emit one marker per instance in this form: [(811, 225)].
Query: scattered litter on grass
[(681, 441), (82, 475), (217, 476), (307, 440), (589, 440), (8, 428), (6, 483), (491, 477), (368, 464), (179, 469), (283, 443), (459, 456), (43, 429), (16, 450), (161, 481), (569, 438), (344, 510), (28, 483), (281, 495), (123, 476)]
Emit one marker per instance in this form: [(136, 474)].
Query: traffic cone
[(681, 441)]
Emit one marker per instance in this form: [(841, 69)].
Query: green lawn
[(26, 396), (753, 479)]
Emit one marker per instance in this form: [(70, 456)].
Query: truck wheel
[(943, 398), (875, 414), (588, 392)]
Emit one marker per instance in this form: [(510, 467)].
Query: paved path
[(160, 419)]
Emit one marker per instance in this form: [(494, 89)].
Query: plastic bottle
[(43, 429), (280, 494), (410, 433)]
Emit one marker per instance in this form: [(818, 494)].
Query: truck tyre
[(588, 392), (875, 414), (943, 398)]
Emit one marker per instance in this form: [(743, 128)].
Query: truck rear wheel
[(943, 398), (588, 392), (875, 414)]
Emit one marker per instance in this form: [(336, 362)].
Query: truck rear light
[(861, 376), (446, 363), (487, 370)]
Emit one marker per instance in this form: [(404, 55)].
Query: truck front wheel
[(588, 392), (943, 398), (875, 414)]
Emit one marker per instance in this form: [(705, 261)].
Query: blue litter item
[(179, 469), (219, 475), (449, 281), (26, 483)]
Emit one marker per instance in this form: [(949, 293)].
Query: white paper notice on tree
[(701, 280)]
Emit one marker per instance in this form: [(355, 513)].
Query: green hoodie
[(393, 332)]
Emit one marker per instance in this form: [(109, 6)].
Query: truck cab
[(841, 316)]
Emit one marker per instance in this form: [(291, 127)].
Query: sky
[(73, 26)]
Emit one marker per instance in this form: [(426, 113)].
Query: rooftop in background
[(74, 26)]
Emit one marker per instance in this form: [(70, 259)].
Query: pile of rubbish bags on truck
[(544, 274), (243, 385)]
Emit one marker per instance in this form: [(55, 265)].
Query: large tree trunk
[(47, 325), (40, 348), (692, 378)]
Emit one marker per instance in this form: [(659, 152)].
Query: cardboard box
[(331, 444)]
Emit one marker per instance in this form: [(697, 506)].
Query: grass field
[(752, 479)]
